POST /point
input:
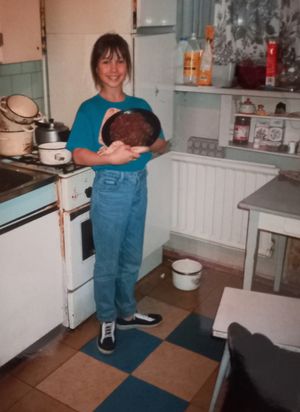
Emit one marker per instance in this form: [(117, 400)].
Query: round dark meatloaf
[(131, 129)]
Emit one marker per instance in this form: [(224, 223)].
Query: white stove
[(74, 188), (74, 192)]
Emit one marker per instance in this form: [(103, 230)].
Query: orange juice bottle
[(191, 61), (206, 64)]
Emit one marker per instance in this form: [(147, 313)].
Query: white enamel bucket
[(186, 274)]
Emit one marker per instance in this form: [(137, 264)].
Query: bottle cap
[(209, 32)]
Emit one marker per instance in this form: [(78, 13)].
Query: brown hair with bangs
[(109, 43)]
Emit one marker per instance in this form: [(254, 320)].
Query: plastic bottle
[(191, 61), (179, 63), (271, 63), (206, 64)]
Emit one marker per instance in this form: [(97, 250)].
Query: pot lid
[(52, 125)]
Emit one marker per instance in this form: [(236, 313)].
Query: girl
[(119, 196)]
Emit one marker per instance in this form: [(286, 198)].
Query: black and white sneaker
[(106, 341), (139, 320)]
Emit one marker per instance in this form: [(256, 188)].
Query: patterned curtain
[(242, 28), (290, 29)]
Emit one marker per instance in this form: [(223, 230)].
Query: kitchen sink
[(15, 181), (11, 179)]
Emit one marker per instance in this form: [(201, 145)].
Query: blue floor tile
[(134, 395), (195, 333), (133, 347)]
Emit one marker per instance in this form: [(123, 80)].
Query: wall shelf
[(236, 91), (227, 113), (264, 150), (270, 116)]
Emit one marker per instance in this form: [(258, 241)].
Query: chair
[(263, 377)]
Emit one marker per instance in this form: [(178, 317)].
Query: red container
[(250, 75), (271, 63)]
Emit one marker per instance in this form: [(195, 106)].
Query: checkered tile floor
[(170, 368)]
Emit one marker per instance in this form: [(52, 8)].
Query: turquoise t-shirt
[(87, 123)]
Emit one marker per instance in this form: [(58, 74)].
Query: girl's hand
[(140, 149), (122, 154), (111, 148), (159, 146)]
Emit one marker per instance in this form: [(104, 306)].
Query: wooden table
[(275, 316), (275, 207)]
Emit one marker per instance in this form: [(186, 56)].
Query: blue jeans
[(118, 211)]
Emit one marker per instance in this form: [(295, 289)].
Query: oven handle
[(79, 212)]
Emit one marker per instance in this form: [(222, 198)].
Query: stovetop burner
[(32, 161)]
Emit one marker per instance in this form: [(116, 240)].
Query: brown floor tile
[(211, 289), (82, 382), (172, 255), (203, 396), (176, 370), (211, 280), (208, 307), (172, 316), (290, 291), (264, 285), (193, 408), (215, 279), (11, 390), (202, 399), (34, 369), (76, 338), (151, 280), (260, 285), (36, 401), (166, 292)]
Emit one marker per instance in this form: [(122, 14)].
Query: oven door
[(79, 253), (79, 258)]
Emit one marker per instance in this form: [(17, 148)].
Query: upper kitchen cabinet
[(62, 17), (149, 15), (20, 28)]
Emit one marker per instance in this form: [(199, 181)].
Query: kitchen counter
[(16, 181), (281, 196)]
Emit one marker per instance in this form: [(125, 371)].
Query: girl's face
[(111, 70)]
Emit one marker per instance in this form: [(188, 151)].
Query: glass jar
[(241, 130)]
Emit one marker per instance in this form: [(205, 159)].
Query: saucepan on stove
[(54, 153), (135, 127), (50, 131)]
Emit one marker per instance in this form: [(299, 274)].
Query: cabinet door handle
[(1, 39)]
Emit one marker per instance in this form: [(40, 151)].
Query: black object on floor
[(263, 377)]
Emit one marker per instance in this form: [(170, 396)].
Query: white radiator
[(206, 192)]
